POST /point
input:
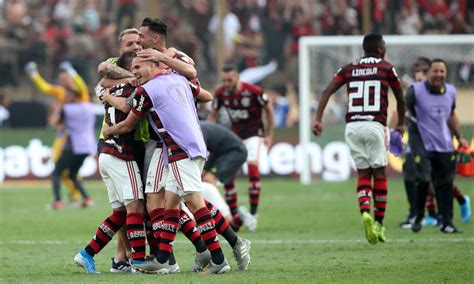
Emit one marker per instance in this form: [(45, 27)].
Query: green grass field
[(305, 234)]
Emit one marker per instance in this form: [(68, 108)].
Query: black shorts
[(409, 168), (225, 166), (139, 153)]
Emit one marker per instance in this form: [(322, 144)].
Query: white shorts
[(156, 175), (184, 176), (122, 179), (256, 149), (212, 194), (150, 147), (368, 141)]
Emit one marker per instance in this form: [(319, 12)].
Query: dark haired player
[(245, 103), (367, 79)]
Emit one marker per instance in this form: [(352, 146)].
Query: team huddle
[(153, 159), (161, 164)]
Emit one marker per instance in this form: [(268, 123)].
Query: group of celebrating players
[(151, 126), (161, 165)]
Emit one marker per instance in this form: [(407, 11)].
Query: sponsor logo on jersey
[(370, 60), (246, 93), (245, 102), (140, 103), (362, 117)]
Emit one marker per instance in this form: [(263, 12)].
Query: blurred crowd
[(258, 33)]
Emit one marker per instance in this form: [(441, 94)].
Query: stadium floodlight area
[(321, 56)]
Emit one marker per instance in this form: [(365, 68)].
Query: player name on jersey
[(364, 72)]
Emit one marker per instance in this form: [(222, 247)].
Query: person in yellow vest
[(68, 78)]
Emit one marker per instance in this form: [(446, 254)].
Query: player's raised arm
[(178, 65), (317, 127)]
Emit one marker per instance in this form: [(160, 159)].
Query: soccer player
[(121, 174), (245, 103), (68, 78), (368, 79), (129, 41), (175, 120), (227, 154), (433, 103)]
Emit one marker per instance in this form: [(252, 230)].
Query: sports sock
[(168, 235), (380, 198), (458, 195), (106, 231), (222, 225), (156, 217), (254, 187), (364, 193), (136, 235), (150, 238), (188, 228), (206, 227), (231, 196), (236, 222), (430, 204)]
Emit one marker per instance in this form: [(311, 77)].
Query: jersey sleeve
[(339, 76), (216, 104), (393, 78), (262, 99), (195, 86), (57, 92), (142, 102)]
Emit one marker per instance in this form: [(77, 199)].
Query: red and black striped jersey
[(244, 109), (175, 152), (120, 146), (367, 80)]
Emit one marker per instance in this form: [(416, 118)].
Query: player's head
[(153, 33), (420, 68), (437, 72), (72, 94), (230, 77), (65, 79), (125, 60), (129, 40), (143, 70), (374, 44)]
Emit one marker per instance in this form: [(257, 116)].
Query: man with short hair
[(367, 79), (245, 103), (433, 103), (121, 175)]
